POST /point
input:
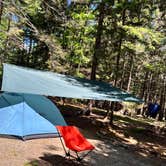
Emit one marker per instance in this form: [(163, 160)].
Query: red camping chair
[(74, 140)]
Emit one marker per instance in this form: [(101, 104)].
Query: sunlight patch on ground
[(143, 154), (130, 140)]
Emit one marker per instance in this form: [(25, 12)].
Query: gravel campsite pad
[(49, 151)]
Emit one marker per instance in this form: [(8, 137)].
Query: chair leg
[(86, 154), (78, 157), (68, 154), (81, 158)]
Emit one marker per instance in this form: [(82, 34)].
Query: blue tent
[(28, 116)]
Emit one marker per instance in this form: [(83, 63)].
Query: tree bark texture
[(97, 47), (130, 73), (1, 9)]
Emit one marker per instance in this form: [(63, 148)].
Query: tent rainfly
[(28, 116), (26, 80)]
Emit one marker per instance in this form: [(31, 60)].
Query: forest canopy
[(118, 41)]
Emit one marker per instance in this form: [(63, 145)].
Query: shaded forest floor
[(131, 141), (145, 137)]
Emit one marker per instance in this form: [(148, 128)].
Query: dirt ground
[(117, 148)]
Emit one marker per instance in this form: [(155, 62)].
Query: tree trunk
[(147, 94), (118, 62), (112, 108), (5, 54), (123, 74), (97, 46), (119, 49), (164, 105), (88, 109), (130, 74), (162, 101), (1, 9), (144, 85), (111, 117)]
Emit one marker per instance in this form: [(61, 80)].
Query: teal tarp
[(26, 80)]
